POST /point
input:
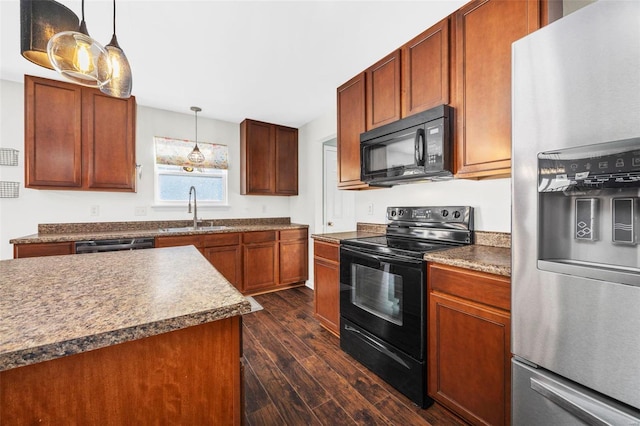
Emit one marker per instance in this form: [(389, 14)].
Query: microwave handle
[(419, 147)]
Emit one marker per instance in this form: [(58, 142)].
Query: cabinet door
[(294, 261), (108, 126), (469, 359), (484, 32), (257, 158), (53, 137), (425, 70), (326, 280), (383, 91), (228, 261), (286, 165), (260, 266), (351, 122), (44, 249)]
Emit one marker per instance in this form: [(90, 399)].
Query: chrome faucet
[(195, 206)]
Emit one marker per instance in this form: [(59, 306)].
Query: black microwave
[(412, 149)]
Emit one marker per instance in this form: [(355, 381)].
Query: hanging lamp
[(195, 156), (79, 58), (121, 79), (39, 21)]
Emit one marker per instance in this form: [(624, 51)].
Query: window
[(175, 174)]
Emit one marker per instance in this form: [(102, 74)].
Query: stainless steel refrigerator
[(576, 219)]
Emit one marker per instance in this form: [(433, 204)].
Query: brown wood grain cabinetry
[(268, 159), (484, 32), (351, 122), (187, 376), (260, 260), (425, 70), (293, 256), (42, 249), (326, 281), (469, 343), (224, 252), (383, 91), (78, 138), (180, 240)]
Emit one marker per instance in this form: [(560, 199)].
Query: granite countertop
[(336, 237), (62, 305), (494, 260), (57, 233)]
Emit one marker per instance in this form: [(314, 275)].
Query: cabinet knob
[(329, 223)]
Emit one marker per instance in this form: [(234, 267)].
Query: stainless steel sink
[(191, 228)]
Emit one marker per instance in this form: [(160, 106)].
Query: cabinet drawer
[(258, 237), (217, 240), (480, 287), (179, 240), (293, 234), (326, 250), (44, 249)]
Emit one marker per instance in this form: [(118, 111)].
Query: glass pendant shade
[(79, 58), (195, 156), (39, 21), (121, 80)]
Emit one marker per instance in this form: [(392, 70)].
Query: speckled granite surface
[(55, 233), (494, 239), (336, 237), (494, 260), (61, 305)]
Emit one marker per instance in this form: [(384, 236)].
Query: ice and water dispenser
[(589, 211)]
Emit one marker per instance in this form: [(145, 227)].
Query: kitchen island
[(146, 336)]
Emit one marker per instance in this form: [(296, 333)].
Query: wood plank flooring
[(296, 374)]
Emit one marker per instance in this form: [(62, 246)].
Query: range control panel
[(436, 214)]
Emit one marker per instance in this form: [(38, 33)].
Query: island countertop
[(62, 305)]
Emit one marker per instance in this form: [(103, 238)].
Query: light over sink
[(192, 228)]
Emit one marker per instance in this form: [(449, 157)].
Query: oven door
[(385, 295)]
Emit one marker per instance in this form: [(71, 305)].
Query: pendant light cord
[(114, 17)]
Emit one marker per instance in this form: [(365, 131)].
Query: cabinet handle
[(139, 169), (581, 406)]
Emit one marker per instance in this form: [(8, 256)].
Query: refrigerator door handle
[(580, 406)]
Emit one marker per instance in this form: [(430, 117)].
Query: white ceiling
[(273, 61)]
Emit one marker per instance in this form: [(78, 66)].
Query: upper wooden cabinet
[(484, 32), (268, 159), (383, 91), (351, 122), (78, 138), (425, 70)]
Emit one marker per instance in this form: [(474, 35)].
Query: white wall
[(21, 216)]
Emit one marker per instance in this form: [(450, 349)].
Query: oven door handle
[(413, 262), (377, 345)]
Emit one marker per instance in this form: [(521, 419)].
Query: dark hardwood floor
[(296, 374)]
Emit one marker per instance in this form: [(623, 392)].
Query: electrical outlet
[(95, 211), (264, 208), (370, 209), (140, 211)]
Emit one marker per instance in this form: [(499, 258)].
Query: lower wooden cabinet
[(326, 279), (293, 256), (42, 249), (469, 343), (224, 252), (260, 260)]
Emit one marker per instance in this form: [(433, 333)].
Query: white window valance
[(174, 152)]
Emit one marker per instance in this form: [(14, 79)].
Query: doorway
[(338, 205)]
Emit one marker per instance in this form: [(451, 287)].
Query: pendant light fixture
[(195, 156), (121, 79), (79, 58), (39, 21)]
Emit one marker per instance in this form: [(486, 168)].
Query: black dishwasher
[(99, 246)]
